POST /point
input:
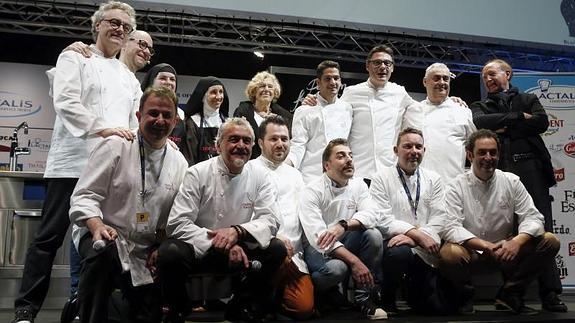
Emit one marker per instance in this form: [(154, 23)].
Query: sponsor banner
[(24, 96), (556, 92)]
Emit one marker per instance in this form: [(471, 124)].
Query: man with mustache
[(338, 218), (413, 197), (484, 207), (127, 209), (84, 116), (295, 285), (519, 119), (224, 216), (446, 125), (314, 126)]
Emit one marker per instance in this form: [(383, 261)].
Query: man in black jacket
[(519, 119)]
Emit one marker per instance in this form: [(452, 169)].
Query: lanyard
[(143, 166), (408, 193)]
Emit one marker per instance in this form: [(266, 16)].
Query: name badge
[(142, 222)]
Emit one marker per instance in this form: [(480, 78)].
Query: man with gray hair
[(446, 125), (83, 118), (224, 216)]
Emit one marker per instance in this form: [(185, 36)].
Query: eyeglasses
[(379, 62), (117, 23), (144, 45)]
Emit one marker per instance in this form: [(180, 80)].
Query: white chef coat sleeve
[(93, 184), (437, 217), (133, 122), (387, 221), (181, 221), (367, 211), (413, 115), (454, 230), (529, 218), (311, 219), (67, 91), (300, 137), (264, 222)]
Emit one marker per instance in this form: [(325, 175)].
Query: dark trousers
[(531, 175), (49, 238), (102, 273), (177, 260)]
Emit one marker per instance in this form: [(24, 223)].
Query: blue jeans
[(75, 267), (327, 272)]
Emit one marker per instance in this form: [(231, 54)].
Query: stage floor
[(484, 313)]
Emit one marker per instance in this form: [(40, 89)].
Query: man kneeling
[(119, 212)]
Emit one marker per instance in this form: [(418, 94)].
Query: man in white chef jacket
[(314, 126), (93, 98), (123, 199), (295, 282), (413, 197), (492, 220), (380, 110), (338, 218), (446, 125), (224, 216)]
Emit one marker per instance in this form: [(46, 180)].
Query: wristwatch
[(343, 223)]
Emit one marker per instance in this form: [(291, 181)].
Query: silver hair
[(105, 6), (235, 121), (437, 66)]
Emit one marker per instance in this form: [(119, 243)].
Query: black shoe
[(552, 303), (23, 315), (70, 310), (244, 311), (371, 311), (466, 308), (332, 299), (513, 302)]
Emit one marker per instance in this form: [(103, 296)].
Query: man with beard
[(295, 285), (484, 207), (314, 126), (338, 218), (83, 118), (413, 196), (519, 119), (116, 204), (224, 216), (446, 125)]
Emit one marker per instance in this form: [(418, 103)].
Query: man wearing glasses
[(93, 99)]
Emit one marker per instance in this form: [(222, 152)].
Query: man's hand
[(223, 239), (151, 263), (330, 236), (80, 48), (100, 231), (120, 132), (288, 245), (427, 243), (310, 100), (237, 255), (507, 251), (361, 274), (459, 101), (401, 239)]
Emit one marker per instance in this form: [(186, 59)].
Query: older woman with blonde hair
[(263, 90)]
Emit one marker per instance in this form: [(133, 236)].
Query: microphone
[(100, 245), (148, 62), (255, 266)]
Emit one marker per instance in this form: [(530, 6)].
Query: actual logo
[(554, 97), (554, 125), (15, 105), (569, 149)]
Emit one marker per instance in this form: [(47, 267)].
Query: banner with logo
[(556, 92)]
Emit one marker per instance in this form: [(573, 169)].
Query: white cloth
[(446, 127), (212, 198), (259, 119), (313, 128), (485, 209), (387, 191), (90, 94), (212, 117), (289, 184), (378, 116), (110, 187), (323, 205)]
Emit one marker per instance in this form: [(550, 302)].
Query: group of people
[(299, 211)]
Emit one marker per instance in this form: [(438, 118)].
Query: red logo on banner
[(571, 248), (559, 174), (569, 149)]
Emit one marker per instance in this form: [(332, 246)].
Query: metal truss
[(199, 30)]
